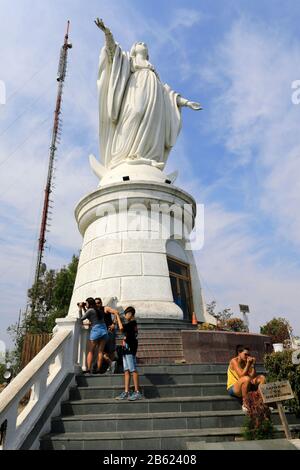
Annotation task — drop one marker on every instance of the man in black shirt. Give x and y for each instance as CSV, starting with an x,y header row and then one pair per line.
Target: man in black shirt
x,y
129,349
110,346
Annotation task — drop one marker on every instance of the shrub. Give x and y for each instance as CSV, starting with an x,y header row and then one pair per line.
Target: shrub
x,y
233,324
279,366
206,326
278,329
258,424
225,322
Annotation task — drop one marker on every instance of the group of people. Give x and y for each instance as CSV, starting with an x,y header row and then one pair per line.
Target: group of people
x,y
104,322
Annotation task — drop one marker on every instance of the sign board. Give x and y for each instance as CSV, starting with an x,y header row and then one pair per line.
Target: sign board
x,y
244,308
296,357
276,391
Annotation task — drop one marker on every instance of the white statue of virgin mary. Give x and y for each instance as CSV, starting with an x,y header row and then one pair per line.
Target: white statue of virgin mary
x,y
140,117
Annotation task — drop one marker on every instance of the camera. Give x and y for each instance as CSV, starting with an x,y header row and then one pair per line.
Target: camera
x,y
81,304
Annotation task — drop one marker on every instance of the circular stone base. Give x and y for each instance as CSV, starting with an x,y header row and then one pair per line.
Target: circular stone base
x,y
133,171
124,252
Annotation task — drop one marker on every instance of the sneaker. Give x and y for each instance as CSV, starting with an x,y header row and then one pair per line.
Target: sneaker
x,y
123,396
135,396
111,369
245,409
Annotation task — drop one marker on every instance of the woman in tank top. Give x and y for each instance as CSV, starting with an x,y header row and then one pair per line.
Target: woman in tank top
x,y
98,333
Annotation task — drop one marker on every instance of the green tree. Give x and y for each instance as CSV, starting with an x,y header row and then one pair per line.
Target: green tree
x,y
49,299
278,329
62,293
223,315
224,318
279,366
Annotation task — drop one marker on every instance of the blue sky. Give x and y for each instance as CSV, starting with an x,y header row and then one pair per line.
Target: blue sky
x,y
240,156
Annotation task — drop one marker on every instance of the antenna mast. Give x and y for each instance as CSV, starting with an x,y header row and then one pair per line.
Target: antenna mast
x,y
55,139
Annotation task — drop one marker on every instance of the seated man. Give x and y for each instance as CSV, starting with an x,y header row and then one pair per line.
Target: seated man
x,y
241,375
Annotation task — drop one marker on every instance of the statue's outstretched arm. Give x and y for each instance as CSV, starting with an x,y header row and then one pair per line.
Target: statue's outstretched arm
x,y
109,39
189,104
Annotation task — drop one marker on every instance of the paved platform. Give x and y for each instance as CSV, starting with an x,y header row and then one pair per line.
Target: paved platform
x,y
268,444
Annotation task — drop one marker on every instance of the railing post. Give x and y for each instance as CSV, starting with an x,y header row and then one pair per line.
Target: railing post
x,y
10,432
84,333
70,354
60,353
40,386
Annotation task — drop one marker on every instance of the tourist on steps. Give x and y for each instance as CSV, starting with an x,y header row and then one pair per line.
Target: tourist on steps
x,y
98,333
241,375
110,346
129,350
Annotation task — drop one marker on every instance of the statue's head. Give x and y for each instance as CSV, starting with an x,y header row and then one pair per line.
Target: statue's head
x,y
139,48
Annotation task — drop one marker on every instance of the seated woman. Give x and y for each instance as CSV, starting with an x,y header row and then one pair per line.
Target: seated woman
x,y
241,375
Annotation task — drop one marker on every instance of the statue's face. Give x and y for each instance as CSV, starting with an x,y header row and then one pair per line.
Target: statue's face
x,y
142,49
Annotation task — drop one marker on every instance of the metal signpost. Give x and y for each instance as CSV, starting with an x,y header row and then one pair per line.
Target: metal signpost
x,y
244,309
278,392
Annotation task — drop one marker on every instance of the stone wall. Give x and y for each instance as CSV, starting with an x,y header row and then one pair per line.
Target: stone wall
x,y
219,346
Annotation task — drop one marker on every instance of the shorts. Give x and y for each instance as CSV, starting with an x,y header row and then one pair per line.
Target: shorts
x,y
110,346
231,392
99,332
129,363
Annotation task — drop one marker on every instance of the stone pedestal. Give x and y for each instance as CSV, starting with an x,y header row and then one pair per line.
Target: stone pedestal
x,y
219,347
128,227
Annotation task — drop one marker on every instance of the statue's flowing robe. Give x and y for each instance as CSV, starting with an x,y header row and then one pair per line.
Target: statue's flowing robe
x,y
139,116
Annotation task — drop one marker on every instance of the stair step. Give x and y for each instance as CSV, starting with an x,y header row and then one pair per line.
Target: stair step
x,y
151,391
134,440
157,360
152,379
168,368
155,405
173,353
160,355
160,334
157,342
160,347
140,440
154,421
151,327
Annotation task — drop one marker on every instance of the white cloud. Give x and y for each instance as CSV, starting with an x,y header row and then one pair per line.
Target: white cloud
x,y
233,270
251,72
255,118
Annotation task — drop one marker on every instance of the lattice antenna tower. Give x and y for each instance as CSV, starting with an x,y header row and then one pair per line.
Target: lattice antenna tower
x,y
55,140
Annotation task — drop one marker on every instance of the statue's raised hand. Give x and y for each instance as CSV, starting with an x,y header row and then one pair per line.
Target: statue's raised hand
x,y
109,39
193,105
99,22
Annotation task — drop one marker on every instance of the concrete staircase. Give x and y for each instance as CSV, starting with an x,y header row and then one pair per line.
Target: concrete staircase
x,y
163,324
160,341
160,347
182,404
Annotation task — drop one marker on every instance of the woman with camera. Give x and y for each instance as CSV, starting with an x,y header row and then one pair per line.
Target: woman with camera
x,y
98,333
